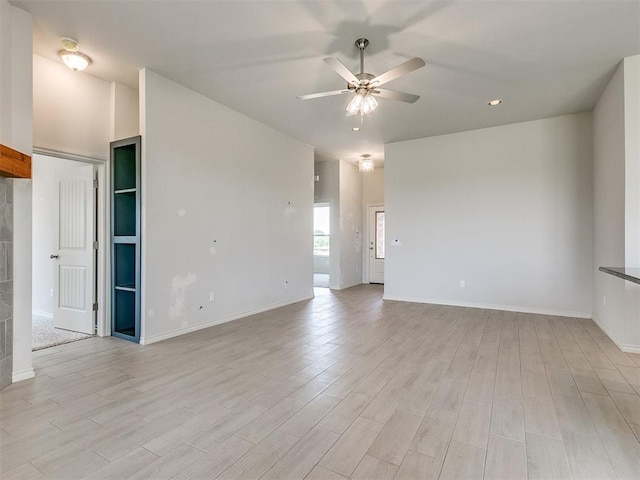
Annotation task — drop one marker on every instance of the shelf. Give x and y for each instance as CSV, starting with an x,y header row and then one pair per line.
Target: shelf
x,y
125,190
125,288
126,239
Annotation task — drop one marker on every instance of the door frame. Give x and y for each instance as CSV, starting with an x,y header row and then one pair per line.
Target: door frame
x,y
367,240
102,262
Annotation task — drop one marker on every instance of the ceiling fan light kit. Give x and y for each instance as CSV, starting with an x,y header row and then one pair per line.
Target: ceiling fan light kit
x,y
365,86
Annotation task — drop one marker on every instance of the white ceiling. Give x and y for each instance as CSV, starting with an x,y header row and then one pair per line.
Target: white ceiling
x,y
542,58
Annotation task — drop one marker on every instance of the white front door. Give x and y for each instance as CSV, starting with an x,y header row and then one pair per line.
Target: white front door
x,y
376,244
75,226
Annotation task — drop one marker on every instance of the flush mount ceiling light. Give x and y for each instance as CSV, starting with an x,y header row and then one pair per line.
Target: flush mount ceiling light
x,y
495,102
355,129
71,56
365,164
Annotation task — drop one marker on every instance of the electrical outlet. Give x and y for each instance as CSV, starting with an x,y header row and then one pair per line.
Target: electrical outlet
x,y
212,297
51,293
463,284
604,300
286,284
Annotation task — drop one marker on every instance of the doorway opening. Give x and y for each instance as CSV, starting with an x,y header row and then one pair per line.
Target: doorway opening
x,y
64,251
321,245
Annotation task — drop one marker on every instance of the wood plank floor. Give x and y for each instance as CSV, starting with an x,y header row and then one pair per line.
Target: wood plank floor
x,y
343,386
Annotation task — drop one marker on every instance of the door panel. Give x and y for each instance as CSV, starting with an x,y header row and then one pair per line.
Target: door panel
x,y
75,224
376,244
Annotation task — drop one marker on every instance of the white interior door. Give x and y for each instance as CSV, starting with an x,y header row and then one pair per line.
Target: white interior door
x,y
75,225
376,245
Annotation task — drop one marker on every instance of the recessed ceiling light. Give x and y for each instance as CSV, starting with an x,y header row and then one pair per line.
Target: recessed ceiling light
x,y
356,129
493,103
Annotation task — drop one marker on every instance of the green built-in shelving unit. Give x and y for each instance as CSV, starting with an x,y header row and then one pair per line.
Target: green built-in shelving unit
x,y
125,239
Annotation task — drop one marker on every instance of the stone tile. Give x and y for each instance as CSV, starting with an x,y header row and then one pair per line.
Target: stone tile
x,y
6,368
3,262
6,299
3,334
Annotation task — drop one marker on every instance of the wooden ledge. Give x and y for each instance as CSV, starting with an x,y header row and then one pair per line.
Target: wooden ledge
x,y
14,164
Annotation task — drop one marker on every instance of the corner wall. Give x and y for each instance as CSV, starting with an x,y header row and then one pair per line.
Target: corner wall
x,y
327,190
506,210
16,131
350,225
340,185
616,180
6,281
227,207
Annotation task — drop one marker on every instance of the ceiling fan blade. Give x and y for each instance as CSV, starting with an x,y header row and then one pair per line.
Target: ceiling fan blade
x,y
322,94
341,70
403,97
402,69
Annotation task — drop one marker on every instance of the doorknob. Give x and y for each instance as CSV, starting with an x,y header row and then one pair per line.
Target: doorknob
x,y
54,256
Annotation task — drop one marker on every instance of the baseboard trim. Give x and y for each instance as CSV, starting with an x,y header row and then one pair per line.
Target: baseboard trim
x,y
40,313
200,326
23,375
625,347
491,306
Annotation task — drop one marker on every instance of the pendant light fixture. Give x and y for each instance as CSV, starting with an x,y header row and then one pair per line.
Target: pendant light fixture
x,y
71,56
365,164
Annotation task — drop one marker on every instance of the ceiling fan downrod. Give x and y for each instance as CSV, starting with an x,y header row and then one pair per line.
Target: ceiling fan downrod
x,y
362,43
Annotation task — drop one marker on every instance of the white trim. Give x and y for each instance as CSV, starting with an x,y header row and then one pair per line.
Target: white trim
x,y
103,260
366,260
200,326
102,234
50,152
40,313
23,375
622,346
490,306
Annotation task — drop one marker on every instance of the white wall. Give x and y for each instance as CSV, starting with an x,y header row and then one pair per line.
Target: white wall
x,y
44,241
372,195
506,209
16,113
373,187
71,110
22,234
616,142
16,132
227,206
125,112
350,225
632,161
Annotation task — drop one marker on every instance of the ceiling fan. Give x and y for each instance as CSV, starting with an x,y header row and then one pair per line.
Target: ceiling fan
x,y
366,86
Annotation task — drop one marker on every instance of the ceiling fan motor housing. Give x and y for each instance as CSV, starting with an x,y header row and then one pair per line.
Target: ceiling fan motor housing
x,y
364,79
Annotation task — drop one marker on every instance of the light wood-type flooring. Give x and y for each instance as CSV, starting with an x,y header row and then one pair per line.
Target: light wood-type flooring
x,y
343,386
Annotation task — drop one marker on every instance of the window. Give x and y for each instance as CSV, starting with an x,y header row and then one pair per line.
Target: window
x,y
321,231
